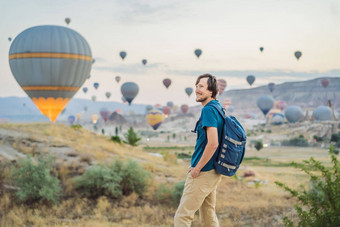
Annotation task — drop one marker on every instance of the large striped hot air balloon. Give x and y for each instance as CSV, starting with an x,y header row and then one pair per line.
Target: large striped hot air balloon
x,y
50,63
155,118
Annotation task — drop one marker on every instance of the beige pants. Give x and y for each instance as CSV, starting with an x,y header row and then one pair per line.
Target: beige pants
x,y
199,193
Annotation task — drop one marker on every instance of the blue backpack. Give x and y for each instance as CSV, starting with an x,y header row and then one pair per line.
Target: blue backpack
x,y
233,144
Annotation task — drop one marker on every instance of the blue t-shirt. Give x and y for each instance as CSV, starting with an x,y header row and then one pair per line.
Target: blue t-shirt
x,y
209,118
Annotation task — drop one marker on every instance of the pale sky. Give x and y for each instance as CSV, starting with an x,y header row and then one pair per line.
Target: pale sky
x,y
166,33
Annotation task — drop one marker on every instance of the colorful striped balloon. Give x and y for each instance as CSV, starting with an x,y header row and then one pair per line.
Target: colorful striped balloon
x,y
155,118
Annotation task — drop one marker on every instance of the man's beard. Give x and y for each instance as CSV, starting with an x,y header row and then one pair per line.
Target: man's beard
x,y
201,99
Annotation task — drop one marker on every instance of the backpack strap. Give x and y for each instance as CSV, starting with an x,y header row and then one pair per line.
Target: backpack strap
x,y
219,110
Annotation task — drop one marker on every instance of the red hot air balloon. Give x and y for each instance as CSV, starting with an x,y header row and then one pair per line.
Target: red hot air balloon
x,y
167,82
184,108
324,82
105,113
166,110
222,84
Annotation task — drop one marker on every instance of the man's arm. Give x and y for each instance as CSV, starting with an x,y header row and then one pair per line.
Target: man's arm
x,y
208,152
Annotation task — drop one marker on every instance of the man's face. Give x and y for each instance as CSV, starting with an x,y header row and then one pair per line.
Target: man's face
x,y
202,92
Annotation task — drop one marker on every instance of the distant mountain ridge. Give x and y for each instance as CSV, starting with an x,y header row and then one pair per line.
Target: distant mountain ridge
x,y
306,94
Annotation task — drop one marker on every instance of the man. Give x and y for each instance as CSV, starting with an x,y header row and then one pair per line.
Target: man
x,y
202,180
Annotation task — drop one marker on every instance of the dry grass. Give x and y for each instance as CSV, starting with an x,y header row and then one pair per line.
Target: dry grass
x,y
238,203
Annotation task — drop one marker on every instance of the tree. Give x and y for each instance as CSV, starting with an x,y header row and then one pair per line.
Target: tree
x,y
318,205
131,137
258,145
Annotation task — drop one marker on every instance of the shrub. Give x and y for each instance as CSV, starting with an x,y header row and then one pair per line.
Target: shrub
x,y
177,192
333,150
36,183
77,127
335,137
99,180
116,139
113,180
170,158
131,137
319,139
297,141
183,155
320,204
163,194
258,145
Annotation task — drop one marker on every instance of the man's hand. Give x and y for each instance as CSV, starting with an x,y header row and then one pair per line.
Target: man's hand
x,y
194,172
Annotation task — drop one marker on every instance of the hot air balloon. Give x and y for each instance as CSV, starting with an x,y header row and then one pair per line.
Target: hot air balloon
x,y
85,89
71,119
280,105
175,108
293,113
184,108
324,82
261,49
222,84
148,108
170,104
94,98
322,113
144,61
227,102
250,79
50,63
9,39
67,20
167,82
108,95
271,87
104,113
122,54
198,52
298,54
188,90
158,107
96,85
155,118
129,91
117,78
94,118
166,110
265,103
277,119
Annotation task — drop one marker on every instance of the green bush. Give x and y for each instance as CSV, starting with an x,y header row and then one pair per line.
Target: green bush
x,y
258,145
335,137
297,141
163,194
116,139
318,205
36,183
177,192
76,126
183,155
131,137
113,180
319,139
99,180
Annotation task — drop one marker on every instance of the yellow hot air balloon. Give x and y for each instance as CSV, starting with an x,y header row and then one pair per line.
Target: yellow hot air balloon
x,y
50,63
155,118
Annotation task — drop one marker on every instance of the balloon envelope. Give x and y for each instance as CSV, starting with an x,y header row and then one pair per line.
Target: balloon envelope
x,y
265,103
85,89
50,63
122,54
167,82
166,110
293,113
71,119
148,108
93,98
250,79
144,61
67,20
129,91
155,118
9,39
108,95
96,85
271,87
324,82
188,90
184,108
105,113
94,118
261,49
222,84
322,113
117,78
298,54
170,104
198,52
